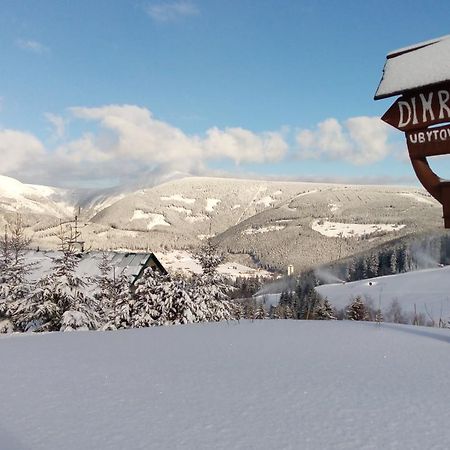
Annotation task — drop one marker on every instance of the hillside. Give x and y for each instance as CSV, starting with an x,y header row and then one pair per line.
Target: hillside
x,y
276,223
312,385
422,291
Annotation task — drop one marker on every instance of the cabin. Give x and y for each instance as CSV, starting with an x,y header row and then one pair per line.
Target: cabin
x,y
130,264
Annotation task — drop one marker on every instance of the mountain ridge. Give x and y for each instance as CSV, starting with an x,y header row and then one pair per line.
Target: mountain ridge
x,y
275,222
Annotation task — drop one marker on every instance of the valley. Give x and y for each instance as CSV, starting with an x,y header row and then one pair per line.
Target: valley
x,y
271,224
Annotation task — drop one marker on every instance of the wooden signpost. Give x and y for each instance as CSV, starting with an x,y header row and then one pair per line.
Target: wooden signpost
x,y
423,113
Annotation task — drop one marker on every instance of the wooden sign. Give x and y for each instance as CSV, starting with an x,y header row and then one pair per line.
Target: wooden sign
x,y
418,113
422,74
420,109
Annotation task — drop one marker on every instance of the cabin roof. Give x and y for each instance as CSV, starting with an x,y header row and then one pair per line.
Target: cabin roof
x,y
419,65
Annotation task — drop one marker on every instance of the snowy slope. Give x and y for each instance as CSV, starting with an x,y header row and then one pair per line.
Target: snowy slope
x,y
427,289
181,261
33,199
312,385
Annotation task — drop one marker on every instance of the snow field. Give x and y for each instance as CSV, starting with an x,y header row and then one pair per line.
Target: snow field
x,y
154,219
426,290
419,198
211,203
183,261
262,385
178,198
266,201
267,229
336,229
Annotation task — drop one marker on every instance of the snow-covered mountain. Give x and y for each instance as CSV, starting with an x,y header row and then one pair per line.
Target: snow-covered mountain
x,y
17,197
273,223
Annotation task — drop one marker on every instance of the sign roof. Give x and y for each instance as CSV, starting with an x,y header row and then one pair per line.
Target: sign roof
x,y
423,64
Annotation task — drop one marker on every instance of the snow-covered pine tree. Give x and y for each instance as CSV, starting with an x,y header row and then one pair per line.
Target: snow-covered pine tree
x,y
113,295
379,316
162,300
148,306
59,301
372,265
288,313
357,309
276,312
324,311
249,308
5,265
15,287
183,308
238,310
394,313
210,288
260,312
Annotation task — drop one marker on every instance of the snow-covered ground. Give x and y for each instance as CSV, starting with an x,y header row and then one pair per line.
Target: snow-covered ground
x,y
267,229
154,219
184,262
427,290
335,229
178,198
262,385
211,203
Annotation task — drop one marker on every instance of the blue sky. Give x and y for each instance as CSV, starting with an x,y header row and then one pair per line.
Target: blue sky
x,y
95,93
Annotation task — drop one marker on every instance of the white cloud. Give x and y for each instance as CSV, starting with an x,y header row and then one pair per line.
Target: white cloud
x,y
19,150
359,140
244,146
171,11
32,46
59,125
128,141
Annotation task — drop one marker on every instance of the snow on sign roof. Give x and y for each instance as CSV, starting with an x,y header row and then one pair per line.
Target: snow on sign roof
x,y
414,67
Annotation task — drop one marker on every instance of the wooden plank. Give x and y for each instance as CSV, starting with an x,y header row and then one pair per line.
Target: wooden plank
x,y
429,142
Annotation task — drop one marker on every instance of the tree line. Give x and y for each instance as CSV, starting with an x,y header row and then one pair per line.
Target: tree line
x,y
61,300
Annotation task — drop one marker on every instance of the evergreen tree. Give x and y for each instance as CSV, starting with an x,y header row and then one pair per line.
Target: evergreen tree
x,y
238,310
249,308
394,313
357,309
372,266
149,301
324,311
379,316
59,301
393,262
260,312
160,300
14,271
277,312
210,288
288,313
122,307
5,282
113,295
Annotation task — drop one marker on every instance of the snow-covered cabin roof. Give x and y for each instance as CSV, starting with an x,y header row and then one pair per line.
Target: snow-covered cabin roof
x,y
419,65
130,264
